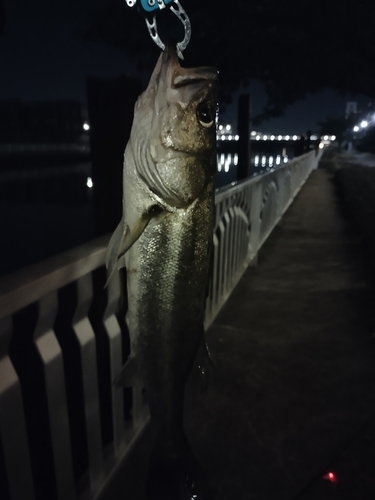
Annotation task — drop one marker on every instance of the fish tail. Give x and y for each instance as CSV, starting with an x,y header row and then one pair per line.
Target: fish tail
x,y
176,477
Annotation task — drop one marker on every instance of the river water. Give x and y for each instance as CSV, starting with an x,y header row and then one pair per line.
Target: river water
x,y
45,211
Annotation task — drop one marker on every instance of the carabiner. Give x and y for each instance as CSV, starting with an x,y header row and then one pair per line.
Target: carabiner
x,y
149,7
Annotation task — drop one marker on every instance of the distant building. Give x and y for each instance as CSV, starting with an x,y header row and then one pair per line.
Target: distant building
x,y
44,122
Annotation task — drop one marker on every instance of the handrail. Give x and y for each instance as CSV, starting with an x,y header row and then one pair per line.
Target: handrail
x,y
246,213
238,185
29,285
64,426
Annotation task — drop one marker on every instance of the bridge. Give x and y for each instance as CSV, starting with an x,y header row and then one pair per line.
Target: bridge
x,y
285,327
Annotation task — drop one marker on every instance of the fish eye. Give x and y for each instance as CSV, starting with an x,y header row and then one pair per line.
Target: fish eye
x,y
205,114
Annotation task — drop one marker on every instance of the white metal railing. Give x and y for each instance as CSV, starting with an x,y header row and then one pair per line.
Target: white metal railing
x,y
245,216
64,427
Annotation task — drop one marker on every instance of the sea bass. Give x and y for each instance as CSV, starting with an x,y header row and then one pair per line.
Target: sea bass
x,y
165,235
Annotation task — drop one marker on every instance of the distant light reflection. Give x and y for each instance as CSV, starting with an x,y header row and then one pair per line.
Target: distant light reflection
x,y
227,163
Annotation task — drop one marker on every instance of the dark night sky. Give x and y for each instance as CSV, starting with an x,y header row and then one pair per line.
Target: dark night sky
x,y
44,56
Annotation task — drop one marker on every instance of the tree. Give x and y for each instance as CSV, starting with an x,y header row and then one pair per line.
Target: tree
x,y
292,48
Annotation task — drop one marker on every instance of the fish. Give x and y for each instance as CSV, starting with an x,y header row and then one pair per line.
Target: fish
x,y
164,240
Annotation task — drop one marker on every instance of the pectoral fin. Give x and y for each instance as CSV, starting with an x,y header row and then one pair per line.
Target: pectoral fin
x,y
122,239
125,236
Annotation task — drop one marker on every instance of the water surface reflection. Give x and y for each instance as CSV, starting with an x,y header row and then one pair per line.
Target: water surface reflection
x,y
227,164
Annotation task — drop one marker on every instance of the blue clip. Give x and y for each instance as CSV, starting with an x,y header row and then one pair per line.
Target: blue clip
x,y
150,7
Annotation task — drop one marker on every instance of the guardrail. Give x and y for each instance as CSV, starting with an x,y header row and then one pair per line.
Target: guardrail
x,y
245,216
64,428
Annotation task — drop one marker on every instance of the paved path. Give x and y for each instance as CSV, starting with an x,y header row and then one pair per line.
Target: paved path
x,y
294,391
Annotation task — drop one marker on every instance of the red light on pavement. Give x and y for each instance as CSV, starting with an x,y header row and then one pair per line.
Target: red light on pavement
x,y
330,476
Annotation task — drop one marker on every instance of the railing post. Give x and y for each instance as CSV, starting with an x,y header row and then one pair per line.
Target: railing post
x,y
12,423
51,356
281,193
113,331
87,343
256,201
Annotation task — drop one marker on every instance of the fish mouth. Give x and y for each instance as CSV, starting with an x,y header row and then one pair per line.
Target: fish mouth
x,y
168,73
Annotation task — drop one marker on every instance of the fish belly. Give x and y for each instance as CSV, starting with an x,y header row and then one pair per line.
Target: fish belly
x,y
167,283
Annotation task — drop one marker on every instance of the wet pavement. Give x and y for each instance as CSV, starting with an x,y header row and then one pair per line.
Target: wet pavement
x,y
293,397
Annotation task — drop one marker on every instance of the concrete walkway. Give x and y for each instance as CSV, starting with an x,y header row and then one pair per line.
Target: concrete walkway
x,y
294,391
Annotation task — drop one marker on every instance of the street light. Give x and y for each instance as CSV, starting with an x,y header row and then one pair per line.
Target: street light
x,y
356,128
364,124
